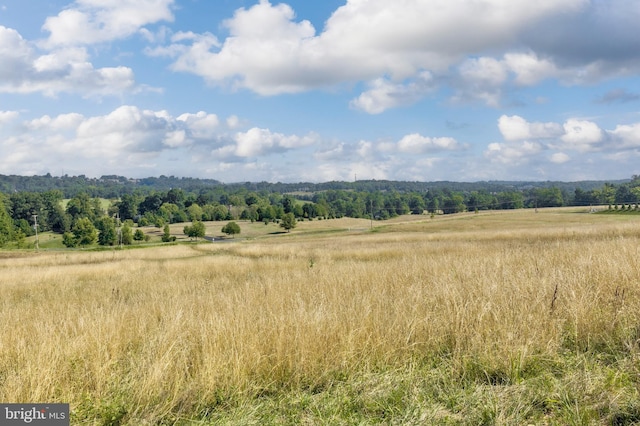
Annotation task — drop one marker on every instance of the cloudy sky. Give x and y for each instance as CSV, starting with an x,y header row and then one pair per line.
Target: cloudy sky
x,y
240,90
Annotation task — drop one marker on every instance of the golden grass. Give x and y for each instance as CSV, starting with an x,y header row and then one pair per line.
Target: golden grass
x,y
166,332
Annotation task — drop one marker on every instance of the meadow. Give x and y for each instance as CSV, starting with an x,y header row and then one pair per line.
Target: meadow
x,y
510,317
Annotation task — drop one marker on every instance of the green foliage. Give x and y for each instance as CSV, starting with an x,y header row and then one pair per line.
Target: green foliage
x,y
196,230
166,235
6,224
107,235
69,240
84,232
20,239
288,222
126,234
194,212
231,228
138,235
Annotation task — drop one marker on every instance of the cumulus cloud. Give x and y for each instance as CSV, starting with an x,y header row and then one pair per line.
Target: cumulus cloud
x,y
418,144
8,116
201,124
513,153
269,52
258,141
626,136
384,94
517,128
393,46
582,135
560,158
125,131
23,70
574,134
96,21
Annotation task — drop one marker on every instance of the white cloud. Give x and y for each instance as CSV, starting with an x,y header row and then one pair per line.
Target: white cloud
x,y
513,153
529,69
233,122
258,141
560,158
582,135
418,144
97,21
627,136
269,52
8,116
515,128
574,134
332,153
23,71
201,124
60,123
384,94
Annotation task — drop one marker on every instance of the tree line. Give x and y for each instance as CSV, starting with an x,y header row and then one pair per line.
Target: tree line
x,y
85,217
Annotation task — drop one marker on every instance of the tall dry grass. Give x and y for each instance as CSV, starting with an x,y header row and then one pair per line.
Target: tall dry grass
x,y
168,333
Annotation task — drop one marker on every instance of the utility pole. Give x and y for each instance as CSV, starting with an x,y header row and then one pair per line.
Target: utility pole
x,y
35,227
371,227
119,230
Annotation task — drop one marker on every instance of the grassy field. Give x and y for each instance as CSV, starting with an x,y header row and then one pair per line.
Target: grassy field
x,y
490,318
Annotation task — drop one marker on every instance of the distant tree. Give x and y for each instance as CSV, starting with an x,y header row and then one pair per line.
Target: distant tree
x,y
166,235
6,224
69,240
196,230
453,204
416,204
231,228
151,204
128,206
288,222
107,235
126,234
20,239
175,196
84,232
138,235
81,206
548,197
59,220
194,212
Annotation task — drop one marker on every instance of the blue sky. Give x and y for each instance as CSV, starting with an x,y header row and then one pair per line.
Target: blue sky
x,y
239,90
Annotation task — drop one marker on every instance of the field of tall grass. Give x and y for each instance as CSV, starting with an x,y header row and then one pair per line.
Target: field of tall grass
x,y
491,318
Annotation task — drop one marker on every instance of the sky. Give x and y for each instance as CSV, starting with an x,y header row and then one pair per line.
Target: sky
x,y
317,91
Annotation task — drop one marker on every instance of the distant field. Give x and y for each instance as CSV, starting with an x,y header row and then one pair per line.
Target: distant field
x,y
104,203
511,317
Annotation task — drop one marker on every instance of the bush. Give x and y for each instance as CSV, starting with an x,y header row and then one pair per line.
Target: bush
x,y
232,228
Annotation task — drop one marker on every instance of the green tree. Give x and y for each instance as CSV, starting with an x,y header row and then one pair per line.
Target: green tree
x,y
288,222
6,224
126,234
84,232
107,235
547,197
69,240
454,203
196,230
231,228
128,206
194,212
80,206
166,235
138,235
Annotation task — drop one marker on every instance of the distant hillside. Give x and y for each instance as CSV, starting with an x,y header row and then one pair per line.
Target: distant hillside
x,y
115,186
